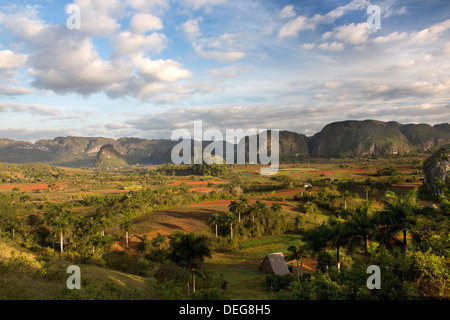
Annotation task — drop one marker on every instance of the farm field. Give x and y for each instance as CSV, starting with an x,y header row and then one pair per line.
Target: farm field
x,y
122,227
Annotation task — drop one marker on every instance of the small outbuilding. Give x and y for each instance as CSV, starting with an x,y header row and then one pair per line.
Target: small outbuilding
x,y
276,264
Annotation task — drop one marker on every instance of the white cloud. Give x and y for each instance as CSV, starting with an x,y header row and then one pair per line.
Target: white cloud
x,y
11,60
288,12
308,46
431,34
161,70
142,23
333,85
130,44
33,109
301,23
100,17
354,34
331,46
191,28
222,48
293,27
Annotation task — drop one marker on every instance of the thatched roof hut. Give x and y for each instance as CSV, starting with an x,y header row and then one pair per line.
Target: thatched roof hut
x,y
275,263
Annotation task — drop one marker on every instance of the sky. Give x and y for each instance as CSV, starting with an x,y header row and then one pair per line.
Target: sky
x,y
144,68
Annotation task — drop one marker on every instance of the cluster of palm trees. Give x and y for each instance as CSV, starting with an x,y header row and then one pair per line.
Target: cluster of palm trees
x,y
242,210
363,225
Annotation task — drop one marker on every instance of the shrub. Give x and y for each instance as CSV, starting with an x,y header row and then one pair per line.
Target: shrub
x,y
275,282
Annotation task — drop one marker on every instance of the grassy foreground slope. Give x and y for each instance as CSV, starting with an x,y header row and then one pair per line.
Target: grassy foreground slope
x,y
27,276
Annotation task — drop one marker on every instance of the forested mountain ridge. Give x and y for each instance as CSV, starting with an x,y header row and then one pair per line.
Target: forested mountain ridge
x,y
339,139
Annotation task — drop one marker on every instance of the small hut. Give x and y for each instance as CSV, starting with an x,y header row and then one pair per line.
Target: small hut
x,y
274,263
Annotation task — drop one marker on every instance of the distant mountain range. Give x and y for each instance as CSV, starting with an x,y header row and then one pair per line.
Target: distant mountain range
x,y
339,139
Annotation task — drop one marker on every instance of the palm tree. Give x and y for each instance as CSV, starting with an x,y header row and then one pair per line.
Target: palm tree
x,y
276,208
347,195
189,252
252,210
361,227
399,214
214,220
126,227
59,226
367,189
230,220
318,239
338,237
297,252
159,240
241,207
102,221
13,225
233,207
176,237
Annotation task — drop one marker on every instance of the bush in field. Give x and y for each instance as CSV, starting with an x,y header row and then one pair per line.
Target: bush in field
x,y
275,282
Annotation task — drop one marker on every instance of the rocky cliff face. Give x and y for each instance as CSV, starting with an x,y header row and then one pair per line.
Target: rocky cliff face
x,y
340,139
437,170
109,158
350,138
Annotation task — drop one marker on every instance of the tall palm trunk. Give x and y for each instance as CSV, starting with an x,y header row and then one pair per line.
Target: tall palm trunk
x,y
217,235
62,242
338,259
126,235
193,281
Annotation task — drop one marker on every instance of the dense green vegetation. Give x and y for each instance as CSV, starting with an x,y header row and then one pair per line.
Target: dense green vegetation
x,y
130,231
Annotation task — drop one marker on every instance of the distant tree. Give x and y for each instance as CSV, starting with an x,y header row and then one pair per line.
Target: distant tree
x,y
399,214
276,208
367,189
361,227
230,220
297,252
126,227
317,240
311,208
176,237
346,195
338,237
60,226
189,252
214,220
12,225
159,241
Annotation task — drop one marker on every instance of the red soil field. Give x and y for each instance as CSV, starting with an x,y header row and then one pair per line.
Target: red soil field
x,y
408,185
197,183
29,187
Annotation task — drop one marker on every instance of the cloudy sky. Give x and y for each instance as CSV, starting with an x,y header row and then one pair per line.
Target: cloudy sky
x,y
144,68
